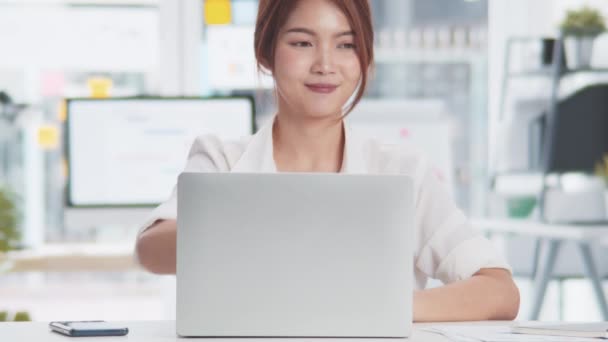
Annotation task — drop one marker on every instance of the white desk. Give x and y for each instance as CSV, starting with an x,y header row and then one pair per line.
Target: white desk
x,y
554,235
164,331
72,257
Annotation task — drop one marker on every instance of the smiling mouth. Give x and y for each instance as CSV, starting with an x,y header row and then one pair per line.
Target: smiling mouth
x,y
322,88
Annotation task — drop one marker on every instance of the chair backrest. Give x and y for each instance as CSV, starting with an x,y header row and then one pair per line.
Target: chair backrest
x,y
580,138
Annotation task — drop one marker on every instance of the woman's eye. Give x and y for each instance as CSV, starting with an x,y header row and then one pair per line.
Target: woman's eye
x,y
300,44
347,46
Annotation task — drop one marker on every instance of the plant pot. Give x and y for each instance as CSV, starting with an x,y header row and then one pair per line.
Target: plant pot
x,y
521,206
583,51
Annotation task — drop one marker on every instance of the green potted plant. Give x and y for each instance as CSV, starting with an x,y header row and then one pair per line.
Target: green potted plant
x,y
22,316
601,169
9,235
583,25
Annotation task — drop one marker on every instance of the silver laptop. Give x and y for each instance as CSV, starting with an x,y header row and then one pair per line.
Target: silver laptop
x,y
294,255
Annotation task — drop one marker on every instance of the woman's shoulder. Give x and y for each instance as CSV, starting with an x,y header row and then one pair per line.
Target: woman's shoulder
x,y
222,154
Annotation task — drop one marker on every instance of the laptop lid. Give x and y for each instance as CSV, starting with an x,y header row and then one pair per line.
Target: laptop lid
x,y
294,255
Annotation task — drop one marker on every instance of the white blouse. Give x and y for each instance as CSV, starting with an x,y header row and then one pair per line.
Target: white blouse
x,y
446,246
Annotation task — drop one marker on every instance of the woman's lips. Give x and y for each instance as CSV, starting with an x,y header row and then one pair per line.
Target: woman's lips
x,y
322,88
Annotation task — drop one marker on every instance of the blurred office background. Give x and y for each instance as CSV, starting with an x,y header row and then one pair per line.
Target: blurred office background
x,y
468,81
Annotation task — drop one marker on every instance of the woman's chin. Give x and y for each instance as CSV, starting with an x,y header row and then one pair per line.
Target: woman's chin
x,y
323,113
323,110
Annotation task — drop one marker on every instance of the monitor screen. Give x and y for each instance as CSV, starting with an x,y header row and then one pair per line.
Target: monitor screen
x,y
423,124
129,152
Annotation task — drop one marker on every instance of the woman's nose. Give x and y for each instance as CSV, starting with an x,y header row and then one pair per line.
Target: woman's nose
x,y
324,62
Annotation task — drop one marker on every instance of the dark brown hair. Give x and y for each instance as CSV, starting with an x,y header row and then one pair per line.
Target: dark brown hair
x,y
272,15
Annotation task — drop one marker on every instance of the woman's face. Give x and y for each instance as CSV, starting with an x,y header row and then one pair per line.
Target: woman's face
x,y
316,68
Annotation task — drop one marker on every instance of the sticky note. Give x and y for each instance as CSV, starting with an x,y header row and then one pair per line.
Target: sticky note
x,y
64,168
48,137
217,12
52,83
62,111
99,87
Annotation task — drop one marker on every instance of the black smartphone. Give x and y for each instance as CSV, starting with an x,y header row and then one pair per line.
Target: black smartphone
x,y
88,328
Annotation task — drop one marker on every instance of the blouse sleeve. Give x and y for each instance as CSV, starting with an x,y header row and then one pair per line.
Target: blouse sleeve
x,y
449,248
206,155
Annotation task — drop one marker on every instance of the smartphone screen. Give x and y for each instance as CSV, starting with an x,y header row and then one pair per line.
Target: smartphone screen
x,y
89,328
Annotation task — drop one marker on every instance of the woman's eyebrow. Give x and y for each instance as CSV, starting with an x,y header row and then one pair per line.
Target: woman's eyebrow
x,y
313,33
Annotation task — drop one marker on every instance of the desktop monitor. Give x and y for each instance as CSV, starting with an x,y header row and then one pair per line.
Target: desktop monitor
x,y
421,123
126,153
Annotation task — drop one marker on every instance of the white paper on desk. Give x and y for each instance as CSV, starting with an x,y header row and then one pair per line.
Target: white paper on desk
x,y
495,333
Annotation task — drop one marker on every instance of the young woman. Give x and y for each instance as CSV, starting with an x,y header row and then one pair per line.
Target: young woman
x,y
319,53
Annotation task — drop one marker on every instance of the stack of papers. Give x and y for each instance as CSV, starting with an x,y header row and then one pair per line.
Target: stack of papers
x,y
599,329
495,333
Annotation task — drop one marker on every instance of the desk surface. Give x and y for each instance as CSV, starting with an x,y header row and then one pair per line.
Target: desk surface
x,y
71,257
164,331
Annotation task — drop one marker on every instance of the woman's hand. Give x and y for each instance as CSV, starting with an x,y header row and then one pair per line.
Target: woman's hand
x,y
490,294
156,247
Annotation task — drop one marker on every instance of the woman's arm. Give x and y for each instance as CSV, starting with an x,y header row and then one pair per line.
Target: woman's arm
x,y
156,247
490,294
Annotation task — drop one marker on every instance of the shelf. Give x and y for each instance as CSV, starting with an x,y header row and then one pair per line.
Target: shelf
x,y
548,72
530,73
590,70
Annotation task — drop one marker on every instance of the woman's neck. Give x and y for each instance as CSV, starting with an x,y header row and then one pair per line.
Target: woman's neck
x,y
308,144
